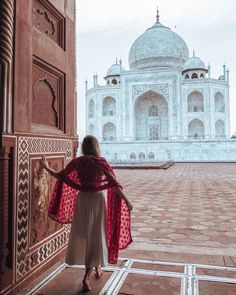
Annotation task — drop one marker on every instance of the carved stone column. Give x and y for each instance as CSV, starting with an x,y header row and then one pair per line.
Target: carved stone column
x,y
6,78
6,56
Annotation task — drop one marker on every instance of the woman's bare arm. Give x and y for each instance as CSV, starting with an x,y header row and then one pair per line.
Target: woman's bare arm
x,y
46,166
120,192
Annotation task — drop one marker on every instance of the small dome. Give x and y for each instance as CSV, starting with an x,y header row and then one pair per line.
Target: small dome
x,y
158,46
194,63
115,70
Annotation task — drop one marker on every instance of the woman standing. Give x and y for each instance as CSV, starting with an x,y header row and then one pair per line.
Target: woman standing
x,y
100,223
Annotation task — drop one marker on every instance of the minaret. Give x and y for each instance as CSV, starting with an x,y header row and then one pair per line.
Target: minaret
x,y
120,62
94,80
86,85
224,71
227,75
209,71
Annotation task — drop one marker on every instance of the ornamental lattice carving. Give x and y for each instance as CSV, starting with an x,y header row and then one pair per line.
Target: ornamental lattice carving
x,y
26,258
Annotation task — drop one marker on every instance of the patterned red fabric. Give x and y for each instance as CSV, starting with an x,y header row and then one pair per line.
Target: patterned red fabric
x,y
92,174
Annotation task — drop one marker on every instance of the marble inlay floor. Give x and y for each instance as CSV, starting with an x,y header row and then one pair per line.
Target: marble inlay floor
x,y
141,277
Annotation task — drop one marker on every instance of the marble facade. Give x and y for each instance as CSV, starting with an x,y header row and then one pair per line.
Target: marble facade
x,y
166,104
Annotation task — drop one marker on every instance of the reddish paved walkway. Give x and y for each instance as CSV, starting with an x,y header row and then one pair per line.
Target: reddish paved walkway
x,y
188,208
184,214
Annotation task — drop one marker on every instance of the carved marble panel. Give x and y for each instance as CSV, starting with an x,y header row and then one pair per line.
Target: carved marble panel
x,y
41,226
48,20
47,95
29,257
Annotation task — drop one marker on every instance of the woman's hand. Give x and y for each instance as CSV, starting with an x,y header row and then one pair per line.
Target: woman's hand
x,y
46,166
44,162
120,192
129,206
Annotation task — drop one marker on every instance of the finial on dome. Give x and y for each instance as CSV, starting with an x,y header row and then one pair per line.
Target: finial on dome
x,y
120,61
116,61
193,53
158,16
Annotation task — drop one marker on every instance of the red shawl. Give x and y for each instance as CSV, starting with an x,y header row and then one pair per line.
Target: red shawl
x,y
92,174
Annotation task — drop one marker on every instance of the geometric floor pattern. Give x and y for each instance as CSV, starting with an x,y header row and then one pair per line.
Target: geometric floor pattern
x,y
190,208
184,236
140,277
188,278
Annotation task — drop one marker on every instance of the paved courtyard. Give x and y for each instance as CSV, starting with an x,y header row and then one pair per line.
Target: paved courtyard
x,y
184,232
188,208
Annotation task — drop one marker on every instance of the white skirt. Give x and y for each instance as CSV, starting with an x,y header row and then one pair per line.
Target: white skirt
x,y
88,242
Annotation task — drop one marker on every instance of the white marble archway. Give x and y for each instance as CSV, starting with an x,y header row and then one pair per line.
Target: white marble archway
x,y
195,102
91,129
109,106
109,132
219,129
219,102
91,108
196,129
150,125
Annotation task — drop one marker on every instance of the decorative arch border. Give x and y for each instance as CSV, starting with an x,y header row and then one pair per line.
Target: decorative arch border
x,y
150,90
189,91
108,122
220,119
162,89
196,118
108,96
219,91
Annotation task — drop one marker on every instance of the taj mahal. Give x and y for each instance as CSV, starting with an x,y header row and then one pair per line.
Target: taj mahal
x,y
167,106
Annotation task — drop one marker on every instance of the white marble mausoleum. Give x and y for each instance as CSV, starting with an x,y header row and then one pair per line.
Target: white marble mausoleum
x,y
166,106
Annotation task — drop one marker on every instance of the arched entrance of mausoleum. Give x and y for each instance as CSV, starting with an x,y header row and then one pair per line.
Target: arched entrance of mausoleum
x,y
151,118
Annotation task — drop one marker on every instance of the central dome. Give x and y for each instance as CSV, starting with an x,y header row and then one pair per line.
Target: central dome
x,y
158,46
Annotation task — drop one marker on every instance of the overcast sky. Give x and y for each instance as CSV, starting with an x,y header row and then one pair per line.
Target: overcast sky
x,y
106,30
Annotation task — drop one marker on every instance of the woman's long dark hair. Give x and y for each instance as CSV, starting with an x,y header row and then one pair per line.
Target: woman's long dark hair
x,y
90,146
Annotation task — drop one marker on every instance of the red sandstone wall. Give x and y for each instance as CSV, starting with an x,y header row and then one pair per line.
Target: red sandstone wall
x,y
38,117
